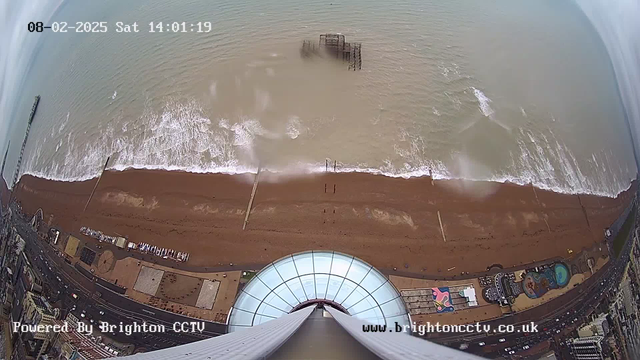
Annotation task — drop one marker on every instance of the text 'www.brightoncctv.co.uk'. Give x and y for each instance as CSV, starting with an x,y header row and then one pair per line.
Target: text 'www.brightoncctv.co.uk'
x,y
428,327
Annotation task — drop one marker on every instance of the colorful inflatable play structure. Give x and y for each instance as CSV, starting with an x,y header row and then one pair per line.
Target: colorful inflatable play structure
x,y
442,299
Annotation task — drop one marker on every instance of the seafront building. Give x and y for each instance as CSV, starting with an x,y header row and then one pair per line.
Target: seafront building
x,y
588,348
37,312
315,305
598,327
73,345
334,286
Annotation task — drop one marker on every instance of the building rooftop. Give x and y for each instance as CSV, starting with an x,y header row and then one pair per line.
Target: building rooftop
x,y
86,346
587,340
342,281
41,304
470,294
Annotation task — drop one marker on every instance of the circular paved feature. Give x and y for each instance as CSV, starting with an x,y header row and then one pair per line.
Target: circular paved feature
x,y
562,274
106,261
180,288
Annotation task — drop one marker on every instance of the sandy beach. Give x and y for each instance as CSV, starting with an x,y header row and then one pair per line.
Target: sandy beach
x,y
388,222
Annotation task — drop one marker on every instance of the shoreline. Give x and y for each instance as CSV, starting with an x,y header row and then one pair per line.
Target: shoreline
x,y
388,222
318,169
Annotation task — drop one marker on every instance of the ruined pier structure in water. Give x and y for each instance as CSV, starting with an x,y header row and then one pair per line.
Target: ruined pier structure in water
x,y
24,143
334,45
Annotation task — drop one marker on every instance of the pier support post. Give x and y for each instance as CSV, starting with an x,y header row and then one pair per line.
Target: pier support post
x,y
24,143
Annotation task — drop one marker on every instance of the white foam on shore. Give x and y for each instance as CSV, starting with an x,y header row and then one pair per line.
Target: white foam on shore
x,y
319,168
436,170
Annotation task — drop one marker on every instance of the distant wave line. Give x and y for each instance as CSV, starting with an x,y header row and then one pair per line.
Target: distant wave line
x,y
318,168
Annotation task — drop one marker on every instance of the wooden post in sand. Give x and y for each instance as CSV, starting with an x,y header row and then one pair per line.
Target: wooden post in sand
x,y
584,211
441,227
253,194
96,186
544,215
535,194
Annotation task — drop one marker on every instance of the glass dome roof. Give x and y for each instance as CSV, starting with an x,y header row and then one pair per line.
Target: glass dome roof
x,y
344,281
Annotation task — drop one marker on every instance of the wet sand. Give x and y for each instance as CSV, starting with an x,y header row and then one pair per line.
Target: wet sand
x,y
387,222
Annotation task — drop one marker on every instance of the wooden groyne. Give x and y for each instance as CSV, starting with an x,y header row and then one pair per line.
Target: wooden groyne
x,y
96,185
253,195
24,143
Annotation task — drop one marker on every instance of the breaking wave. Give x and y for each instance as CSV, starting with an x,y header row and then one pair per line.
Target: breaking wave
x,y
293,127
483,102
180,137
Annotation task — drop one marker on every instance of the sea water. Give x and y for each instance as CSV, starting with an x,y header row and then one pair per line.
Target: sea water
x,y
524,91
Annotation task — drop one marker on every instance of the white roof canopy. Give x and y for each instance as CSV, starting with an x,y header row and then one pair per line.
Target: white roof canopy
x,y
338,279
